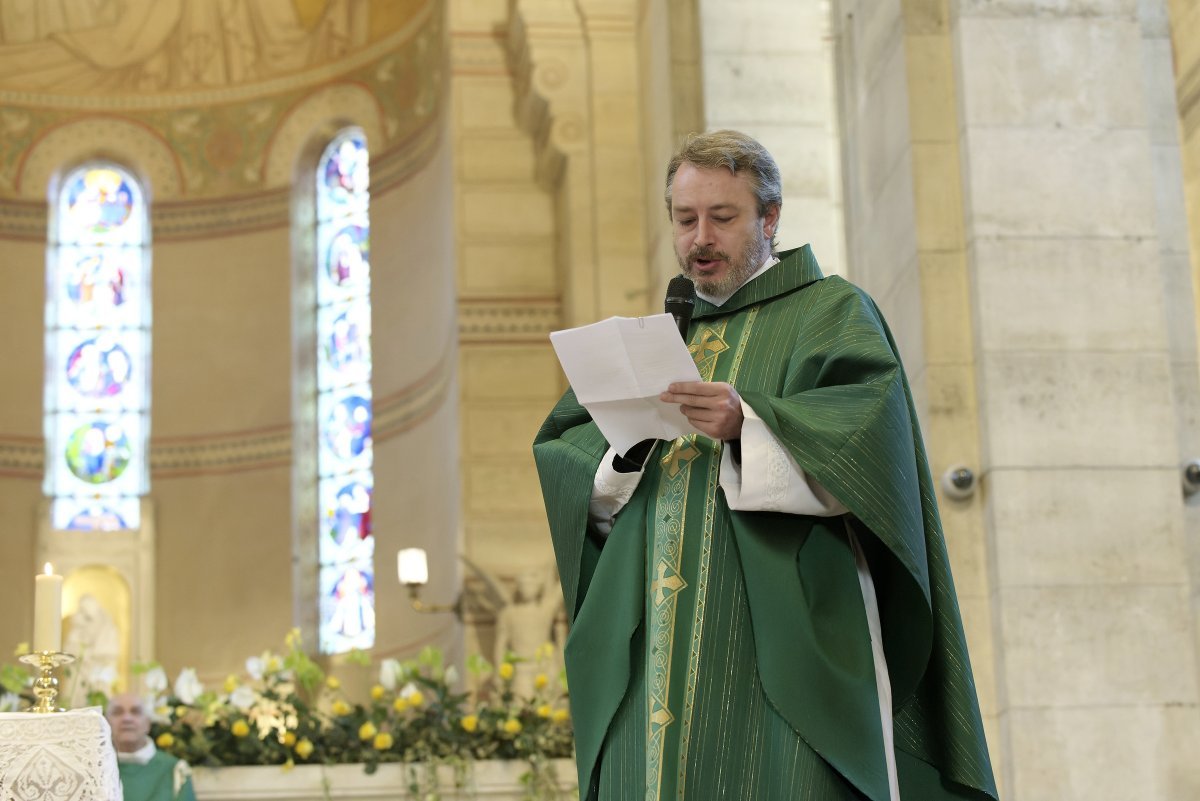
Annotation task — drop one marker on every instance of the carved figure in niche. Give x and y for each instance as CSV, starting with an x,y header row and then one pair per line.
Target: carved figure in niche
x,y
526,619
95,640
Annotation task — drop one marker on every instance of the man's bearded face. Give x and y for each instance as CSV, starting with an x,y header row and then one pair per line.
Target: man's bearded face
x,y
719,238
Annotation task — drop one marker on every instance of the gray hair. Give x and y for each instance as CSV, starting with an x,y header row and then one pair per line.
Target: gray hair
x,y
737,153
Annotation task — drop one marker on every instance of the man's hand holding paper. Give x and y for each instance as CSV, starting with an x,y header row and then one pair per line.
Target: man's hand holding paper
x,y
619,367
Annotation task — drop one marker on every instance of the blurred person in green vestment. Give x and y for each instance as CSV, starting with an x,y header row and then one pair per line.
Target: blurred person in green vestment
x,y
147,774
764,611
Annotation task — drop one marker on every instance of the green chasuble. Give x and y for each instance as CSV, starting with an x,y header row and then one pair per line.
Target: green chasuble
x,y
155,780
718,654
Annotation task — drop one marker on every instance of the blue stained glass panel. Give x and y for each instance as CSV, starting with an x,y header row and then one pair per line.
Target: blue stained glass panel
x,y
348,259
98,452
344,408
346,174
97,351
99,367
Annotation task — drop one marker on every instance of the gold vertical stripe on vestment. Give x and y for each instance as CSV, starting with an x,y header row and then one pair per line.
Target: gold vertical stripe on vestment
x,y
714,472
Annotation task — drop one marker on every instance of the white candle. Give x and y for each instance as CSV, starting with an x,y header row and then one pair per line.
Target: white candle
x,y
412,566
47,611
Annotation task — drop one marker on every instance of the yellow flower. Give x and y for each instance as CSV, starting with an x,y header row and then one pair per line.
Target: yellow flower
x,y
366,731
340,707
399,705
512,726
292,639
22,649
505,670
383,741
541,680
544,711
333,682
240,728
377,692
544,651
231,683
561,716
165,740
415,698
289,739
288,765
304,748
470,723
273,665
180,711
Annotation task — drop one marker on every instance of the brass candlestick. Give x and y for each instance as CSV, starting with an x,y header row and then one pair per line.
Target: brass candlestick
x,y
45,687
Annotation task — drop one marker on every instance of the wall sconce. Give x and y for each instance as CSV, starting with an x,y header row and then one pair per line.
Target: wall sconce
x,y
413,570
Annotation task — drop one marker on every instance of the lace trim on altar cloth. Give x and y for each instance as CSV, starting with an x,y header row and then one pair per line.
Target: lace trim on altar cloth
x,y
66,756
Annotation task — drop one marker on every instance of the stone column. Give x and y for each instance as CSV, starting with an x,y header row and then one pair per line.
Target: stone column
x,y
768,70
1068,247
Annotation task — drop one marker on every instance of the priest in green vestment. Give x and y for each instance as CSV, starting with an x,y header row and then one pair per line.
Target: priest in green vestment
x,y
762,611
147,774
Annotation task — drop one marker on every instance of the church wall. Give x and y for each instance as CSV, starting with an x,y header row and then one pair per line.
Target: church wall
x,y
509,298
905,228
1182,51
1066,236
768,70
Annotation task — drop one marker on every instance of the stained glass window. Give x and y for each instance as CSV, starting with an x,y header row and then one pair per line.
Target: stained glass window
x,y
97,351
344,455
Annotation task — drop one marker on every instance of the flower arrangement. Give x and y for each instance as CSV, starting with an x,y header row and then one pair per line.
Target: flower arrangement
x,y
285,710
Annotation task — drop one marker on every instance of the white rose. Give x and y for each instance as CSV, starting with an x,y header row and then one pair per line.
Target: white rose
x,y
451,676
256,666
155,680
188,686
408,690
389,673
10,702
243,698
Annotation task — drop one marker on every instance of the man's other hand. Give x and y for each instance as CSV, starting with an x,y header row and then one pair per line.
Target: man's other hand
x,y
714,407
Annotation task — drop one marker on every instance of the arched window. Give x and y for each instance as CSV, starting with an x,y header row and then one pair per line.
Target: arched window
x,y
97,350
344,459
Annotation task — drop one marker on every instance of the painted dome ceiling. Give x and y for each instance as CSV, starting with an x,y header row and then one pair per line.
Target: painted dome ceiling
x,y
174,47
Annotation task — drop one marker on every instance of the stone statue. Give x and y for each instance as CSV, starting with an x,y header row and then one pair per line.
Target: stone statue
x,y
526,619
95,640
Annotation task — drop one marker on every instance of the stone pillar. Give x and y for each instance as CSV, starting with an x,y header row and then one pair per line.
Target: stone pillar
x,y
1068,249
768,71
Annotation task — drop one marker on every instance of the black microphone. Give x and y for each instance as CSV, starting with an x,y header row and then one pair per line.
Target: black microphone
x,y
680,301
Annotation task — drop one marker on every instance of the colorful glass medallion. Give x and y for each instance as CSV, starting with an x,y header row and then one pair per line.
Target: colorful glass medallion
x,y
352,602
96,281
98,452
349,519
348,261
347,173
99,201
98,367
348,345
347,428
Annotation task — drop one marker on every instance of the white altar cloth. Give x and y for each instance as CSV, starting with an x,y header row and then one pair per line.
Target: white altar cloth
x,y
63,756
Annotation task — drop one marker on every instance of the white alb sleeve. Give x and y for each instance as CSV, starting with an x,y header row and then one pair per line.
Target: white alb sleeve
x,y
769,479
610,492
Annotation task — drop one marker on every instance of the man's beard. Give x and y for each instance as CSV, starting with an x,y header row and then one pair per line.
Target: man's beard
x,y
740,269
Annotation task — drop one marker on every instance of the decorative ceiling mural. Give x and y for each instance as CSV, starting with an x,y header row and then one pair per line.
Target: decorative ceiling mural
x,y
213,80
78,47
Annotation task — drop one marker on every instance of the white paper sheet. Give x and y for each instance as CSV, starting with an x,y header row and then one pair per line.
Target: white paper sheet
x,y
619,366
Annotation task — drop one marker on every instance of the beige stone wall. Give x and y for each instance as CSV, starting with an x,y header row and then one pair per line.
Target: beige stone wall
x,y
768,70
1071,232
